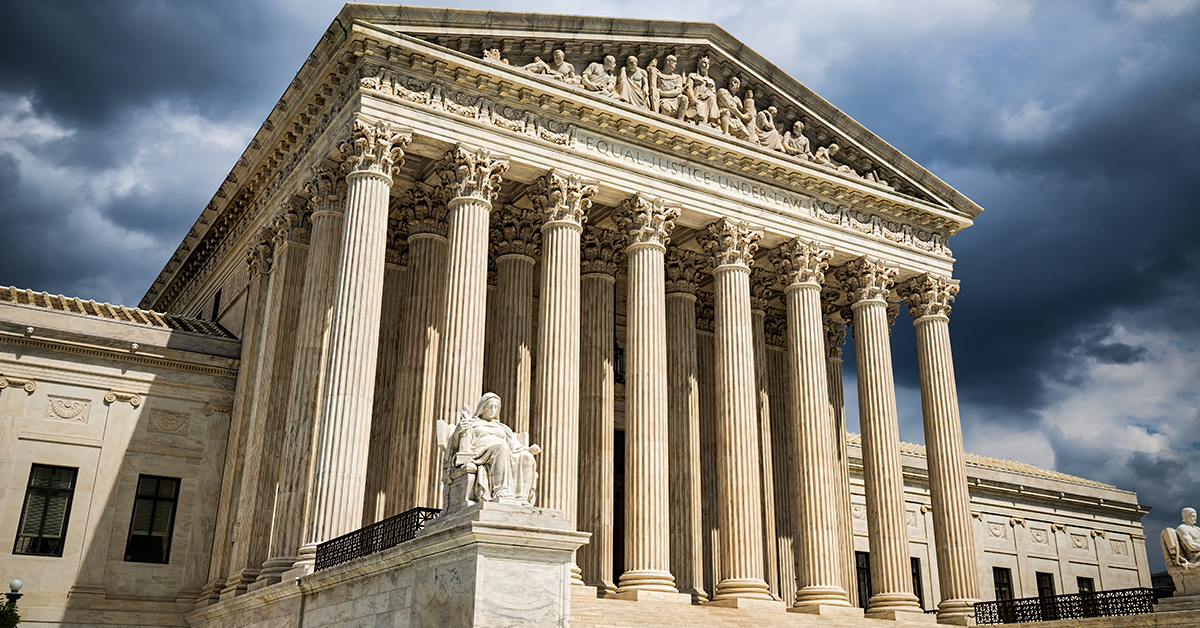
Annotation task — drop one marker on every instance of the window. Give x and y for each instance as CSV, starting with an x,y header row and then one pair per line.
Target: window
x,y
43,527
862,564
1086,585
1045,584
153,520
1002,577
916,576
216,311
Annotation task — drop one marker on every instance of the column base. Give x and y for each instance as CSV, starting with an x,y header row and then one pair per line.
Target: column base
x,y
644,595
908,616
238,583
646,580
210,593
698,595
750,588
304,565
957,612
748,602
576,575
272,572
583,590
827,610
821,596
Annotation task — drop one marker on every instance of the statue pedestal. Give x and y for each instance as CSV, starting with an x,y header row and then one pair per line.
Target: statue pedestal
x,y
494,564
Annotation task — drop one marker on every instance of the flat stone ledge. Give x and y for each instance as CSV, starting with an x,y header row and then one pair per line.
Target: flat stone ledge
x,y
742,602
911,617
638,595
827,610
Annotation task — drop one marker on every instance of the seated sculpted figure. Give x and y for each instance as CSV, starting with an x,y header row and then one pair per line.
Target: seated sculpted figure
x,y
484,459
764,125
1181,550
560,69
701,92
666,89
599,77
824,157
795,143
737,119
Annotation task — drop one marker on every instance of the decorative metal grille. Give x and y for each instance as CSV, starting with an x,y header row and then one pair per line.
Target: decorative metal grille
x,y
1074,606
374,538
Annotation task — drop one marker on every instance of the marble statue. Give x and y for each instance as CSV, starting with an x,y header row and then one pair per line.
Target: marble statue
x,y
764,126
599,77
1181,550
560,69
666,89
795,143
824,157
701,92
737,117
633,86
485,461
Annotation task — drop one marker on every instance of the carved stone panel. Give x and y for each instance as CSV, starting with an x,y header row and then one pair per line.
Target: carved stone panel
x,y
167,422
1119,548
1040,537
1079,541
67,409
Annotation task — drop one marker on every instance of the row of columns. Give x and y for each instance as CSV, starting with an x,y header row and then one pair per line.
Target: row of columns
x,y
325,408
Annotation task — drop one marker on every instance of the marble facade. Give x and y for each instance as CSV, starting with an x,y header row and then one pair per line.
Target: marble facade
x,y
654,266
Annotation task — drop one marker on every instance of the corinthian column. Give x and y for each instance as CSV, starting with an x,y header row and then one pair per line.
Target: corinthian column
x,y
563,200
474,177
929,299
374,152
760,294
801,265
516,239
325,191
835,336
867,283
646,222
732,245
413,465
600,256
683,424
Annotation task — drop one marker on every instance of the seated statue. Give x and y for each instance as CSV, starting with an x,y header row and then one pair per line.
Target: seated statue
x,y
737,118
599,77
701,92
1181,550
824,157
795,143
666,89
764,126
560,69
485,460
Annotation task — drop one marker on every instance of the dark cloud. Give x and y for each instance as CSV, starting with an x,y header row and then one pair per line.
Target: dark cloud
x,y
10,174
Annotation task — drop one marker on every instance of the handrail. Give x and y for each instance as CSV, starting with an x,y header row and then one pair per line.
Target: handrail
x,y
374,538
1071,606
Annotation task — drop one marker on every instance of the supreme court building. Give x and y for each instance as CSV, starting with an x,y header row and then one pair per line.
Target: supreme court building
x,y
648,240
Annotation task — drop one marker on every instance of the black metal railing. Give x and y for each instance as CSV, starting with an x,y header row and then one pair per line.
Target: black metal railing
x,y
374,538
1073,606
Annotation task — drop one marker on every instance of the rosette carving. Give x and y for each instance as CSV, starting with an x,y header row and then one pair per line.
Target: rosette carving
x,y
683,270
801,261
601,251
516,231
472,173
325,190
647,220
761,291
293,224
375,147
562,196
928,295
731,242
866,278
422,212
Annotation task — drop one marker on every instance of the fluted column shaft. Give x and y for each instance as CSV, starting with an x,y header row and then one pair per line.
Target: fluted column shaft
x,y
683,421
380,498
307,380
339,475
766,460
596,429
891,572
835,334
513,356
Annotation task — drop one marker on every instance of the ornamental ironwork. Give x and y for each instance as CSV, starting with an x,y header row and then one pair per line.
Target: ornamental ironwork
x,y
1073,606
374,538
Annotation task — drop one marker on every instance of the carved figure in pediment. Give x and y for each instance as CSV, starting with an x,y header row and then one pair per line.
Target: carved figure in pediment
x,y
559,69
737,119
764,126
824,157
666,89
701,92
633,86
877,177
599,77
795,143
493,55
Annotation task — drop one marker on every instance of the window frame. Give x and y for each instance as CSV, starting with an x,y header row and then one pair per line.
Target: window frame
x,y
170,536
918,587
66,518
862,567
1007,582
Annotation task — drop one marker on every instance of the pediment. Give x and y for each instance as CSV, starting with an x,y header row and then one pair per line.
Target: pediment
x,y
518,40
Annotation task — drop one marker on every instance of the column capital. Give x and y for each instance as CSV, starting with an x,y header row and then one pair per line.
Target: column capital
x,y
775,327
866,279
647,220
472,173
731,242
422,211
761,291
374,146
563,197
683,270
260,255
834,318
397,243
928,295
800,261
292,224
516,231
706,310
601,251
325,190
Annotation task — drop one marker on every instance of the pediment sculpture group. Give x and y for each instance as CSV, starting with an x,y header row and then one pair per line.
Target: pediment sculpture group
x,y
484,460
693,97
1181,550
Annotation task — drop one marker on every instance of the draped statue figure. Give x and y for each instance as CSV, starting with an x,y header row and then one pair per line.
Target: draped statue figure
x,y
485,460
1181,550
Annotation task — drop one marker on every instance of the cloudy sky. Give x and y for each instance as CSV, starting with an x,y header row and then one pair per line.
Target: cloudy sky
x,y
1076,125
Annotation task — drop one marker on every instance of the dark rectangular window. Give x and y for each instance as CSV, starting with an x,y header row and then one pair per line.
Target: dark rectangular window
x,y
216,311
916,576
862,564
153,520
1086,585
1002,577
43,526
1045,584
